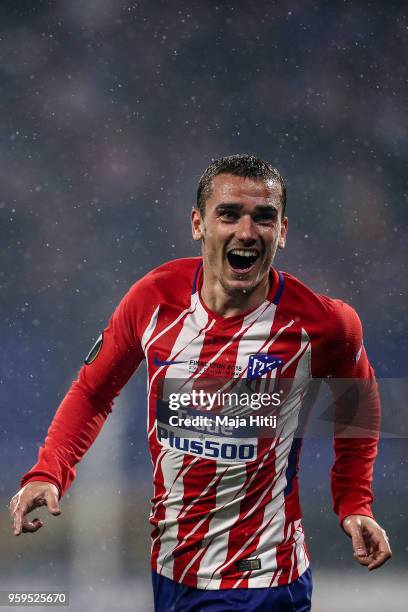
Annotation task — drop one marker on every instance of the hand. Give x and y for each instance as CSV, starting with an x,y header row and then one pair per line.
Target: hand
x,y
33,495
370,542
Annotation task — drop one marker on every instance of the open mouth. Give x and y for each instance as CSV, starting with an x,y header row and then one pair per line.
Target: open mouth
x,y
242,260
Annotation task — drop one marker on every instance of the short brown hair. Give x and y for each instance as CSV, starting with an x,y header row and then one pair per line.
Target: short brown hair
x,y
247,166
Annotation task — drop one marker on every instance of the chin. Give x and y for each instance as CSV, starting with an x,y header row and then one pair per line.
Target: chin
x,y
234,286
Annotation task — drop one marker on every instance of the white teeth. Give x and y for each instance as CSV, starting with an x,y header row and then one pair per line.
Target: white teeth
x,y
243,253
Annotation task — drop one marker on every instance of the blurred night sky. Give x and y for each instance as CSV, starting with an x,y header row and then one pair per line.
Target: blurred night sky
x,y
110,112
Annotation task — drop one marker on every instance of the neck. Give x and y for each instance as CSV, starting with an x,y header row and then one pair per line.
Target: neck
x,y
230,304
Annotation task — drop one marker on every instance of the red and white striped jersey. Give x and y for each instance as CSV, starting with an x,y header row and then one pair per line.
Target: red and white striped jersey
x,y
225,510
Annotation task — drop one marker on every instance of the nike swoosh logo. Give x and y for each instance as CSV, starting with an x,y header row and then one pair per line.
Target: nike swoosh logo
x,y
158,362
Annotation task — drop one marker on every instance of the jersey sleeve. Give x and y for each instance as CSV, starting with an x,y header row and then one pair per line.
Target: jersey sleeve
x,y
86,406
356,416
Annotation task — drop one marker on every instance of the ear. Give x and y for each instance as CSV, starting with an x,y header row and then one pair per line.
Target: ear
x,y
196,224
283,232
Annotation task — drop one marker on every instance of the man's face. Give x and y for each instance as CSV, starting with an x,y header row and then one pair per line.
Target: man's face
x,y
240,231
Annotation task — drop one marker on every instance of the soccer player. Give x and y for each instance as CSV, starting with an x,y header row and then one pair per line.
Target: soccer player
x,y
227,531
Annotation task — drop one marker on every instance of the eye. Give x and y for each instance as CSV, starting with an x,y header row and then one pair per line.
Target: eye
x,y
266,218
228,215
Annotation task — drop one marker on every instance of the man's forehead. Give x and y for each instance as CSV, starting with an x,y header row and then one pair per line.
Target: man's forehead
x,y
231,188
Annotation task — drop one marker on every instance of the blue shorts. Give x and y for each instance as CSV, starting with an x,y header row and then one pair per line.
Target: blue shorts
x,y
170,596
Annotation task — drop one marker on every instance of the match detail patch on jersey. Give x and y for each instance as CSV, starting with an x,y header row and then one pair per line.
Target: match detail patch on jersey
x,y
261,364
95,350
247,565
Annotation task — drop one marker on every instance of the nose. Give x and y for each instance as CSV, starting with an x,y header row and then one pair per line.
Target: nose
x,y
246,231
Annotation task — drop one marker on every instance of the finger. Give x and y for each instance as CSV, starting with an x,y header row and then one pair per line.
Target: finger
x,y
382,552
380,558
12,508
363,560
52,503
358,543
19,513
32,526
